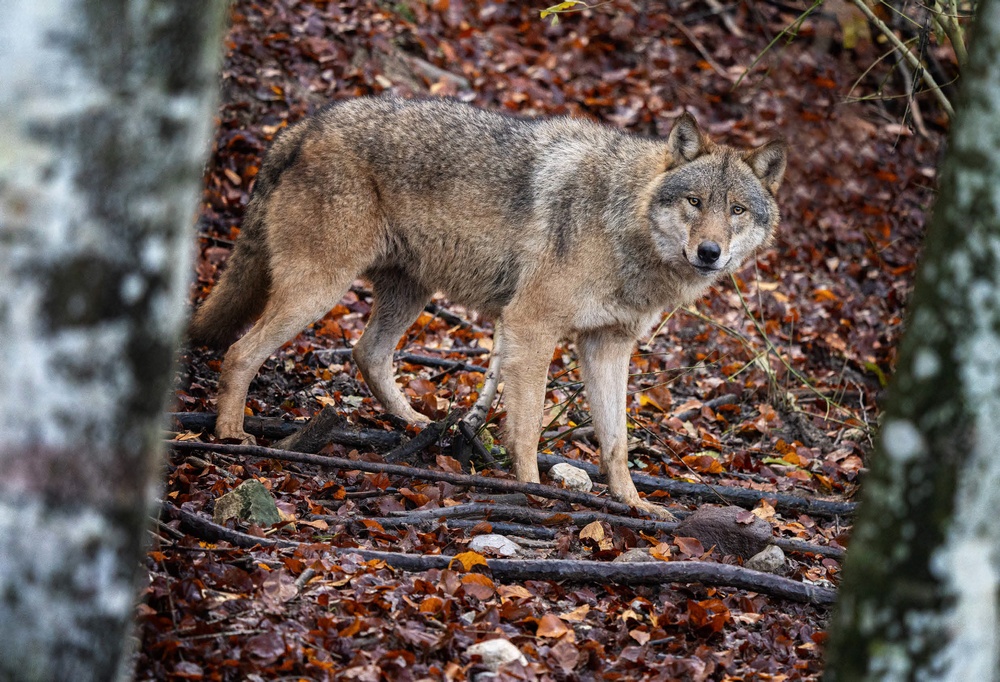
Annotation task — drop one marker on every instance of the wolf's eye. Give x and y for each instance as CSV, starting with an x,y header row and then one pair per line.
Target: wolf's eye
x,y
738,210
694,201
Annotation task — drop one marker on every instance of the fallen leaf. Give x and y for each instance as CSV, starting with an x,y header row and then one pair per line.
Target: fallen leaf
x,y
592,531
551,625
478,586
689,546
468,560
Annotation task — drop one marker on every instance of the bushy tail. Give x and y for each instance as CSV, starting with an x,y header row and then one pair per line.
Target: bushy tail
x,y
240,295
242,291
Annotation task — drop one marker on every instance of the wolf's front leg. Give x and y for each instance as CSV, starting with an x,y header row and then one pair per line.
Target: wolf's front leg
x,y
604,358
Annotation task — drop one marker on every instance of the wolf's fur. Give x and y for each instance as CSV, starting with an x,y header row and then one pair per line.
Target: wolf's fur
x,y
557,228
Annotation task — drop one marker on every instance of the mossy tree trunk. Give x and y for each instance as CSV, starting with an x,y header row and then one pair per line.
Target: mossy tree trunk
x,y
105,115
920,599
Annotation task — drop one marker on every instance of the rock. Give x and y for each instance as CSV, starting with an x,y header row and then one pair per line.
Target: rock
x,y
634,555
249,501
731,529
495,544
496,652
770,560
572,477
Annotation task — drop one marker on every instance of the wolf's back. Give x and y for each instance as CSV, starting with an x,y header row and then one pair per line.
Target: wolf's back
x,y
241,293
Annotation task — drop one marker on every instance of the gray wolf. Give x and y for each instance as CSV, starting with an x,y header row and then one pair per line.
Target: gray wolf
x,y
557,228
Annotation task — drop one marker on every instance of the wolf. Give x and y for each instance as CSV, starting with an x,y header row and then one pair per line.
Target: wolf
x,y
556,228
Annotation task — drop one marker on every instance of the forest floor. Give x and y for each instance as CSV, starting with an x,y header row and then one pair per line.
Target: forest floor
x,y
768,383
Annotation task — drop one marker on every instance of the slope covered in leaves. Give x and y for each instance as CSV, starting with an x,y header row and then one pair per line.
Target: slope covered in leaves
x,y
769,383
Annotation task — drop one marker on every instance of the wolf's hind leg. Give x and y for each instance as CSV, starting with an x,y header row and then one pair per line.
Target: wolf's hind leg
x,y
287,312
526,354
398,301
604,360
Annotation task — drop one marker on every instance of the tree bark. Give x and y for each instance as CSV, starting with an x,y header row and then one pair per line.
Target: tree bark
x,y
920,597
105,115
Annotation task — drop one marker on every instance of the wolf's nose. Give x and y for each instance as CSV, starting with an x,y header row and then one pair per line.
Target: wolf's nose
x,y
709,252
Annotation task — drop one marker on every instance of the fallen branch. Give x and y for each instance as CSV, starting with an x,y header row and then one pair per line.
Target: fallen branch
x,y
501,527
727,399
489,512
272,429
518,570
329,426
485,456
743,497
339,463
477,415
430,435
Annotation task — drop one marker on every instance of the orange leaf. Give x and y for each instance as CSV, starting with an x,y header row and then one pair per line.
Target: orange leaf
x,y
551,626
710,614
661,551
468,560
446,463
431,604
514,592
478,586
705,464
577,615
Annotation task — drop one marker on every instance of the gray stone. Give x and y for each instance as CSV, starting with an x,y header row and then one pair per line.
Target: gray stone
x,y
770,560
495,544
496,652
721,527
249,501
574,478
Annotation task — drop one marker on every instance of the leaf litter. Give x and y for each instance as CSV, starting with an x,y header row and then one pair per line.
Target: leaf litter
x,y
770,382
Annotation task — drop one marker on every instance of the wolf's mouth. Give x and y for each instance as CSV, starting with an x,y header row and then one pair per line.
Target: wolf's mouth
x,y
708,270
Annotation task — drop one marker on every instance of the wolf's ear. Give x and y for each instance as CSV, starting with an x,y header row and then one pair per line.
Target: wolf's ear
x,y
686,143
768,163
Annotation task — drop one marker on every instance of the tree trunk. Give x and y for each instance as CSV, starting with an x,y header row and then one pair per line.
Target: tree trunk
x,y
105,115
920,599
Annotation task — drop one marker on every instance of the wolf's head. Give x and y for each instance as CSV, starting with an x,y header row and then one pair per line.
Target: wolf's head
x,y
715,205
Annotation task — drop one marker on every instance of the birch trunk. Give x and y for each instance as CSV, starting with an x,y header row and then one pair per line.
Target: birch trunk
x,y
920,599
105,114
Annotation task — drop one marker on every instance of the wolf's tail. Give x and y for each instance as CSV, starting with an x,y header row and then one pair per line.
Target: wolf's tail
x,y
241,293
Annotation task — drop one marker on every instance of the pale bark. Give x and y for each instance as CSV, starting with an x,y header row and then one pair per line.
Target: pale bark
x,y
105,113
920,599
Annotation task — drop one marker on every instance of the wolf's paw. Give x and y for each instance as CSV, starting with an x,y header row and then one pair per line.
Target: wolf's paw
x,y
242,437
415,418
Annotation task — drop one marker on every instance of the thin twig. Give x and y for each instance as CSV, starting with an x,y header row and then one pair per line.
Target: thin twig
x,y
909,56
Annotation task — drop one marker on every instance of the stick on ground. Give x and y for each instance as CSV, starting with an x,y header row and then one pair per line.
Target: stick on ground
x,y
516,570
